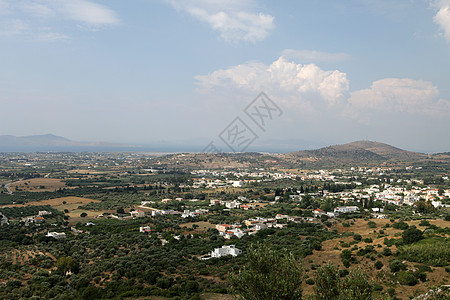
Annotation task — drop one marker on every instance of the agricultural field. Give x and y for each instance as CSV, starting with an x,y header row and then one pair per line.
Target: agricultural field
x,y
38,185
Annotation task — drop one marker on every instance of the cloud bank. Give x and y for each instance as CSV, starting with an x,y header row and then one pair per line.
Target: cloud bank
x,y
234,20
309,89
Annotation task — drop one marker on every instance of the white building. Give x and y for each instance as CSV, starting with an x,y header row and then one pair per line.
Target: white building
x,y
44,213
137,214
236,183
232,204
56,235
345,209
145,229
226,250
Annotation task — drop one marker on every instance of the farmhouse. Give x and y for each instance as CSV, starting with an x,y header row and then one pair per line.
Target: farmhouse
x,y
226,250
56,235
137,214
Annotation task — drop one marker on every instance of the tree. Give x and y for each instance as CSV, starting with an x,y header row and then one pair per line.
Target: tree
x,y
378,264
356,286
327,282
268,274
66,264
83,215
412,235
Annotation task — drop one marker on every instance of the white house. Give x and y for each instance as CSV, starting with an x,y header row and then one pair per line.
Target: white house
x,y
345,209
44,213
232,204
56,235
226,250
233,232
236,183
137,214
319,212
145,229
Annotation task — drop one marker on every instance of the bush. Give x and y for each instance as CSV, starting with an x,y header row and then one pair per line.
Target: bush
x,y
412,235
309,281
357,237
378,265
396,266
407,278
372,224
387,251
424,223
400,225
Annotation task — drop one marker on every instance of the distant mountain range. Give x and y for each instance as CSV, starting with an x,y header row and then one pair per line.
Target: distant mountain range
x,y
359,151
50,142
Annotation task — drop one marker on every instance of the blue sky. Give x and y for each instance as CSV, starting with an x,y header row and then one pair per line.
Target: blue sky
x,y
178,72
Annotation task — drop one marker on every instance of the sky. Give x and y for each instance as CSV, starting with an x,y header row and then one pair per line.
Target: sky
x,y
191,72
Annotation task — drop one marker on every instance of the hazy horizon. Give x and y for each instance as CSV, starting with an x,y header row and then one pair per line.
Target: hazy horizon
x,y
175,72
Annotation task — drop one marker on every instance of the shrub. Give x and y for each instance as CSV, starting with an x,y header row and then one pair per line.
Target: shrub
x,y
396,266
407,278
422,276
400,225
309,281
378,265
424,223
357,237
372,224
412,235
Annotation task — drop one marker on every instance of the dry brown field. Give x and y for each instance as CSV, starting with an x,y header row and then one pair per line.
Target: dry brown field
x,y
35,184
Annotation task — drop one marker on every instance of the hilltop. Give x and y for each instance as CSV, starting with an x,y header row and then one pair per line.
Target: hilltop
x,y
359,152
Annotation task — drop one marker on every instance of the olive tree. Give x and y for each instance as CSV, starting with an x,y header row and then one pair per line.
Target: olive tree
x,y
268,274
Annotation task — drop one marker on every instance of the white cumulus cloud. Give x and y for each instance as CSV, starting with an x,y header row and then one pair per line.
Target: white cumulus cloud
x,y
399,95
309,89
442,17
234,20
297,86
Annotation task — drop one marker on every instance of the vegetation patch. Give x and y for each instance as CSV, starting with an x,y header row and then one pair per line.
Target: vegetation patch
x,y
431,251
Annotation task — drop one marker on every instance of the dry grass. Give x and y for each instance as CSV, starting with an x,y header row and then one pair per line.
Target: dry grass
x,y
331,250
35,184
69,203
